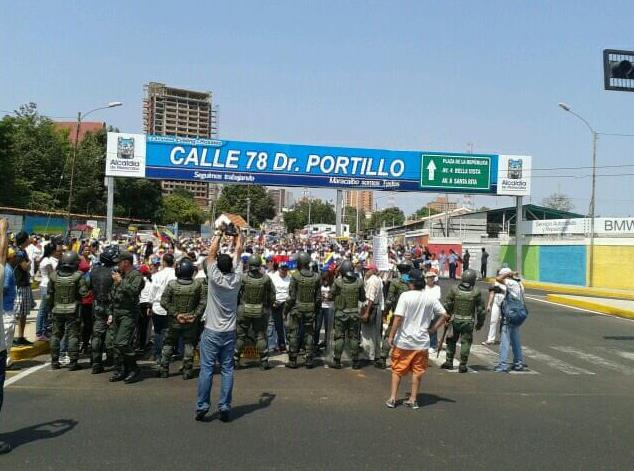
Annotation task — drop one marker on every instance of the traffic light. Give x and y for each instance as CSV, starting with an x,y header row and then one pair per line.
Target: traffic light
x,y
618,70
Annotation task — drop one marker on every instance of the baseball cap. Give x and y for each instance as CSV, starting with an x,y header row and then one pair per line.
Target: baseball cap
x,y
123,255
431,272
505,271
144,269
371,266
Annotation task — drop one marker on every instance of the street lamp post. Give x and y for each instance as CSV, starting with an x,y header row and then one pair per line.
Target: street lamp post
x,y
567,108
81,116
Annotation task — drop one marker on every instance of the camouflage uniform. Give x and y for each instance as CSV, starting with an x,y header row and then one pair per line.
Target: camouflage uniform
x,y
304,299
257,295
101,284
182,297
65,290
463,303
347,292
125,310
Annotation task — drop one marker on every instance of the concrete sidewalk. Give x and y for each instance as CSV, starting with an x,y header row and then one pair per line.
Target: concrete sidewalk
x,y
38,347
615,307
580,290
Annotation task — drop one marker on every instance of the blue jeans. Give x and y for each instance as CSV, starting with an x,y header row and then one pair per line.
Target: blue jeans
x,y
275,331
3,368
42,324
216,346
160,331
510,336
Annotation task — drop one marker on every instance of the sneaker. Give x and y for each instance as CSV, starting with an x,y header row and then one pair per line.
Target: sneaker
x,y
486,343
5,448
390,403
64,360
411,404
432,350
519,367
500,369
200,415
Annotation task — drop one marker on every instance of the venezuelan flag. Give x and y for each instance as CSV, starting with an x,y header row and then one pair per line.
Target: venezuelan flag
x,y
329,260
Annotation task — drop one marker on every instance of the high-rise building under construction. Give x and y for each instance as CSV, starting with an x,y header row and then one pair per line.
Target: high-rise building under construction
x,y
170,111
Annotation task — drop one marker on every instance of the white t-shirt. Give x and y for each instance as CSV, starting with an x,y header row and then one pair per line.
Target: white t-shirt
x,y
281,286
47,266
417,308
326,303
146,292
222,298
159,282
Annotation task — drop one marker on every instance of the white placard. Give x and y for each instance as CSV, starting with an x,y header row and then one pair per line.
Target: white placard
x,y
579,226
379,250
125,155
514,175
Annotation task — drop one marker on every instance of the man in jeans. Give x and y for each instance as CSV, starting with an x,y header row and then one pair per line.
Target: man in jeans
x,y
219,336
510,337
4,446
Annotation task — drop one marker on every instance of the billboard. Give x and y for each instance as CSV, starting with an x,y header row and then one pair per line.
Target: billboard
x,y
221,161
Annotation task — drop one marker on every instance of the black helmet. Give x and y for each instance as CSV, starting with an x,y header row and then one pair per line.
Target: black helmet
x,y
69,261
303,260
254,262
347,269
469,277
108,255
185,269
404,267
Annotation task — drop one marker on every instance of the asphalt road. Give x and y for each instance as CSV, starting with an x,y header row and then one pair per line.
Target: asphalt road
x,y
572,410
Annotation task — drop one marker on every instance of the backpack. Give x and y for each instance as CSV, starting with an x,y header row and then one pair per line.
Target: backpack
x,y
514,309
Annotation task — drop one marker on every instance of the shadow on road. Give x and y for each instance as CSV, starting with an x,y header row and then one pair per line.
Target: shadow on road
x,y
618,337
265,401
431,399
42,431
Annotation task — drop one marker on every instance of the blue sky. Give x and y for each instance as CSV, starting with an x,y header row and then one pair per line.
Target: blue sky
x,y
400,75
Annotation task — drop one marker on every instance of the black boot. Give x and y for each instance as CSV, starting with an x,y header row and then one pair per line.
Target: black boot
x,y
336,363
310,363
292,362
119,375
97,369
356,364
55,363
380,363
264,364
462,368
74,366
447,365
134,374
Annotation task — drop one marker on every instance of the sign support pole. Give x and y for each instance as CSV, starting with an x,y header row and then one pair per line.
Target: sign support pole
x,y
338,212
518,234
110,207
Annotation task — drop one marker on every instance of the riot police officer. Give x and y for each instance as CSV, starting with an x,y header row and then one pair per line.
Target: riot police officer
x,y
348,292
257,295
101,285
304,299
397,287
463,304
65,289
184,301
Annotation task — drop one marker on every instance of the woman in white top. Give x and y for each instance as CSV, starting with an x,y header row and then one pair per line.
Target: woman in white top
x,y
326,313
494,309
48,264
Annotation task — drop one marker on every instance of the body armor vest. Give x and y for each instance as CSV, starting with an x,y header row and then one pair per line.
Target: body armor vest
x,y
464,303
185,297
66,296
253,294
306,290
348,299
399,287
101,281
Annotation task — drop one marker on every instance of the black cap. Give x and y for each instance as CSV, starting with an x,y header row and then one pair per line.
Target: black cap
x,y
123,255
21,237
415,275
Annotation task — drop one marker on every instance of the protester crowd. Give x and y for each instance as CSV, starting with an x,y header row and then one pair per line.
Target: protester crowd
x,y
163,300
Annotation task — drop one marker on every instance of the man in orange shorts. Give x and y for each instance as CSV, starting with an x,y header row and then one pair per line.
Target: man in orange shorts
x,y
409,336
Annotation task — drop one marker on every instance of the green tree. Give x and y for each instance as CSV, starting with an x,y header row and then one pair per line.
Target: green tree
x,y
423,213
233,199
320,213
559,201
181,207
388,217
138,198
89,194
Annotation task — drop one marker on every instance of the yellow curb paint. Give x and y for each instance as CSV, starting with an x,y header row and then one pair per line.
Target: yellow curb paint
x,y
31,351
580,290
592,306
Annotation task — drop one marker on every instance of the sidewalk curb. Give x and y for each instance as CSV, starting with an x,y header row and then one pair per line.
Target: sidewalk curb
x,y
580,290
31,351
591,305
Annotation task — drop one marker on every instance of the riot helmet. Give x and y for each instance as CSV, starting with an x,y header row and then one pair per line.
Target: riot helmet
x,y
185,269
69,261
469,278
254,262
347,270
303,260
108,255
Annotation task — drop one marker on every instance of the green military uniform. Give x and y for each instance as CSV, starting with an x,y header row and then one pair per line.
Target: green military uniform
x,y
182,297
347,292
65,290
101,285
464,303
304,298
124,309
257,295
397,287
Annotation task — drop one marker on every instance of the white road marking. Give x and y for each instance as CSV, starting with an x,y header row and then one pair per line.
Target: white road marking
x,y
555,362
597,360
579,309
494,358
621,353
25,373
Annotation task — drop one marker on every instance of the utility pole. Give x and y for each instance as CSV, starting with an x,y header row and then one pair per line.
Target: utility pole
x,y
338,213
248,212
